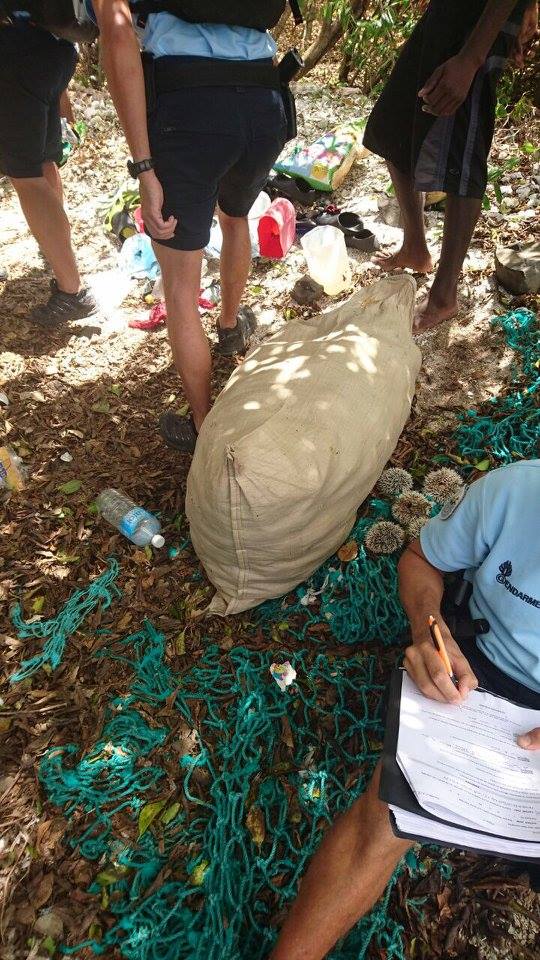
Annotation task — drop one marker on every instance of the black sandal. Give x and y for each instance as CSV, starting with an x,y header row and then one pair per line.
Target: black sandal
x,y
178,432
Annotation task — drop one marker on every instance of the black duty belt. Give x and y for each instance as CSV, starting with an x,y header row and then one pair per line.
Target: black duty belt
x,y
172,73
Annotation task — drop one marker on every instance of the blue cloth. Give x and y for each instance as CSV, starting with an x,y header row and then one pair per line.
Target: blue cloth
x,y
494,534
168,36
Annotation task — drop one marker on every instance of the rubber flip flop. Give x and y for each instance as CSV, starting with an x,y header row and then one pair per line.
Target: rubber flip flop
x,y
304,225
328,216
293,189
364,240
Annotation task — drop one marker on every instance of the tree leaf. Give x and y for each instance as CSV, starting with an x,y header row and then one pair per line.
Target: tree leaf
x,y
95,932
181,644
148,814
255,824
170,813
483,465
348,552
44,891
72,486
286,733
49,945
111,875
100,407
199,872
37,604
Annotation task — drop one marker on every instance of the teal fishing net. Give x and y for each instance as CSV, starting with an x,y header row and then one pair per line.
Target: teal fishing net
x,y
509,427
239,778
56,632
262,772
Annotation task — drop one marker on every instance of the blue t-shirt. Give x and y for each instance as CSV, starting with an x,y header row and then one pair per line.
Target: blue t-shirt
x,y
494,533
167,36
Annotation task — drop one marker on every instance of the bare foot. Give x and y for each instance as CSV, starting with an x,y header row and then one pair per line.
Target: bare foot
x,y
429,314
420,261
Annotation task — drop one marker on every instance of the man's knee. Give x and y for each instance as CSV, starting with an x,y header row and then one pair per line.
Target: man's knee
x,y
232,224
372,819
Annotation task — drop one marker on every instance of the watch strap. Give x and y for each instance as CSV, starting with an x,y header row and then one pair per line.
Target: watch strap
x,y
135,168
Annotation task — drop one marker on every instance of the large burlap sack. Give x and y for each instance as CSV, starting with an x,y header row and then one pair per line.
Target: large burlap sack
x,y
295,442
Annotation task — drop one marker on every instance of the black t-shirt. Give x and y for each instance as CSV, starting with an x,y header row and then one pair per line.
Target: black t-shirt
x,y
470,11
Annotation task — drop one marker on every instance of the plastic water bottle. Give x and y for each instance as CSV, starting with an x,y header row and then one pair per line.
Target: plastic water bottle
x,y
139,526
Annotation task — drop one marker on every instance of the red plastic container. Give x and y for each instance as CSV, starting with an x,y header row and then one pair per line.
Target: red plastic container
x,y
277,229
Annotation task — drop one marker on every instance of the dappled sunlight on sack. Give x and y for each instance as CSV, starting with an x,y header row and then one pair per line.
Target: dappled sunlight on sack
x,y
295,442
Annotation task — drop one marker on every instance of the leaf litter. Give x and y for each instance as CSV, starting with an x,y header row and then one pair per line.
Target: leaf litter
x,y
98,389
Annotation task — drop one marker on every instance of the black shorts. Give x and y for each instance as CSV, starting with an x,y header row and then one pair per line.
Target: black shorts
x,y
213,145
35,69
441,153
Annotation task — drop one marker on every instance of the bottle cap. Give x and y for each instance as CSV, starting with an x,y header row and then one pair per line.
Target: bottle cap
x,y
158,541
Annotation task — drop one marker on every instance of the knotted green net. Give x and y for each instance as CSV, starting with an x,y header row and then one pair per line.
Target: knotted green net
x,y
231,794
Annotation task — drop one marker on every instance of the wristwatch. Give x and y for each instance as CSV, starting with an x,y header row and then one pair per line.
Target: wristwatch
x,y
140,166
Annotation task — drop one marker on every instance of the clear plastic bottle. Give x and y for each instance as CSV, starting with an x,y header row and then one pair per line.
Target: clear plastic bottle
x,y
139,526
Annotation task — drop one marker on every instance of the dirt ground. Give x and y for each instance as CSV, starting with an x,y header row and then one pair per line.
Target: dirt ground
x,y
94,390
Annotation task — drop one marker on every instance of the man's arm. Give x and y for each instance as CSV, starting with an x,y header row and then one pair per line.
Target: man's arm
x,y
66,110
529,29
421,590
450,83
123,69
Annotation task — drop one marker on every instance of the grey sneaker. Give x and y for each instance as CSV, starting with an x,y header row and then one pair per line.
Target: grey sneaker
x,y
61,307
236,339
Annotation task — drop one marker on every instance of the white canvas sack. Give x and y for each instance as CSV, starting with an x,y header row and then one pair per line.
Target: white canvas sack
x,y
295,442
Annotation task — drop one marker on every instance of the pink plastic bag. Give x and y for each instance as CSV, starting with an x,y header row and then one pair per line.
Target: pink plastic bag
x,y
277,229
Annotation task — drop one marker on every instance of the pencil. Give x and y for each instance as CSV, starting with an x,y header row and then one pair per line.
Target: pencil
x,y
438,643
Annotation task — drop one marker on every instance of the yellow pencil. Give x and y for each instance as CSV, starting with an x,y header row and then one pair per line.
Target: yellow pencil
x,y
438,643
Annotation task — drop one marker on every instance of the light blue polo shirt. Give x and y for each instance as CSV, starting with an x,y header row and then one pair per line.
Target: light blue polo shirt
x,y
494,533
167,36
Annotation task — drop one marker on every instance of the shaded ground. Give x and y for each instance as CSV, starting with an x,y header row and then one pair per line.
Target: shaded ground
x,y
95,390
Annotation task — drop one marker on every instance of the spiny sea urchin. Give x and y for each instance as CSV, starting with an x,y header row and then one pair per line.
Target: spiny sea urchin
x,y
415,526
409,506
394,481
384,537
444,484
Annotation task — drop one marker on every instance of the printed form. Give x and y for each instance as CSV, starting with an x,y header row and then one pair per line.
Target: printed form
x,y
464,765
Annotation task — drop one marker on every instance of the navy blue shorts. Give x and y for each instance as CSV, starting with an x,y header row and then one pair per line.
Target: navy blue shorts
x,y
213,145
35,69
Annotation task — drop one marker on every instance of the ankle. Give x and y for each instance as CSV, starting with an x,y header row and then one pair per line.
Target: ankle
x,y
71,288
443,296
227,323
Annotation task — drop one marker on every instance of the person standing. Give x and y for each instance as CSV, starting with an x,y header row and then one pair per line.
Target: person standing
x,y
35,70
434,124
207,130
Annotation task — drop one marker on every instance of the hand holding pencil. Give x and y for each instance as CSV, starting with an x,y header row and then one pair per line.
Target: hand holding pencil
x,y
436,664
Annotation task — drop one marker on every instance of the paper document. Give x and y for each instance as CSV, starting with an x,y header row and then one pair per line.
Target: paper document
x,y
463,764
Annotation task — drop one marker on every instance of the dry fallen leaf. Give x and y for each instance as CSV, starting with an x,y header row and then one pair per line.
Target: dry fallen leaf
x,y
44,891
348,552
255,825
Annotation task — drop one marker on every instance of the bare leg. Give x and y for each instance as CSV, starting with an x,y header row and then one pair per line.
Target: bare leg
x,y
52,176
181,271
41,203
460,220
345,878
414,252
234,267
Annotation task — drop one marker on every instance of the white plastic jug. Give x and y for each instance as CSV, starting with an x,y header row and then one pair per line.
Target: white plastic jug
x,y
327,259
